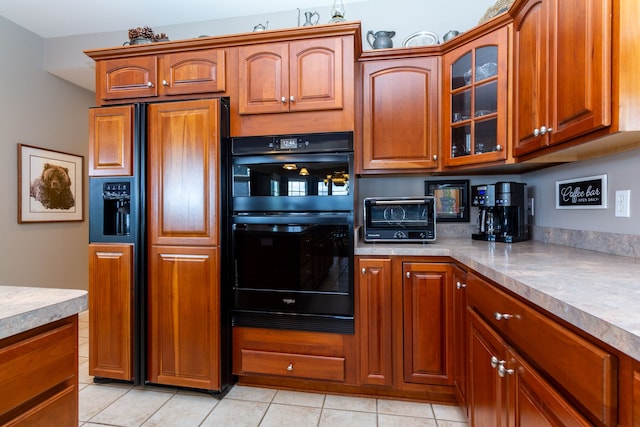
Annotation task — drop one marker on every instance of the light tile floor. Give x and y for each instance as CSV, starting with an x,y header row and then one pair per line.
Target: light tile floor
x,y
127,405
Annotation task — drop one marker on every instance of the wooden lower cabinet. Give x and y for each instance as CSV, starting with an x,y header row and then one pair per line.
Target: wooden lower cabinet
x,y
460,365
404,325
504,390
529,369
111,308
39,376
184,317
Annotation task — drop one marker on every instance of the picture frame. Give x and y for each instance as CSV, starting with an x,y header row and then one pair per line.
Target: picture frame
x,y
582,193
451,198
50,185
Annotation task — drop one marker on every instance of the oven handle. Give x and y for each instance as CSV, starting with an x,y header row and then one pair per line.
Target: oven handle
x,y
294,218
400,201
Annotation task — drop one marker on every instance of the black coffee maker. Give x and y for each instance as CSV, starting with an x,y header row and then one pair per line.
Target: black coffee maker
x,y
502,212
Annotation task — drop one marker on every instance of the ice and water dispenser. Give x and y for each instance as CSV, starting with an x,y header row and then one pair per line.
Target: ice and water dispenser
x,y
116,208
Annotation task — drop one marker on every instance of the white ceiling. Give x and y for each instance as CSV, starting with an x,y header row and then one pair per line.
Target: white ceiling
x,y
58,18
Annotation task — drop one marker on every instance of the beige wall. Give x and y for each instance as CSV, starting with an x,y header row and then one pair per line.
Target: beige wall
x,y
38,109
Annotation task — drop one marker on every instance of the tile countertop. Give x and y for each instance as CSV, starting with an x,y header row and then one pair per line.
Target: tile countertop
x,y
24,308
596,292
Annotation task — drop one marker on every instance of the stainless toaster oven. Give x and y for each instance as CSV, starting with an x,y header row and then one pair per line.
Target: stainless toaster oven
x,y
400,219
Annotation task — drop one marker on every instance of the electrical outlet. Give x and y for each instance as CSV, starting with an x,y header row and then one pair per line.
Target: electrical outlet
x,y
622,203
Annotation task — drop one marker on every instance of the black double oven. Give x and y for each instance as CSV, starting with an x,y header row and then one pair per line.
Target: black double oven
x,y
290,231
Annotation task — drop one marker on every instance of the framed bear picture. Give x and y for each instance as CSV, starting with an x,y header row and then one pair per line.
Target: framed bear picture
x,y
50,185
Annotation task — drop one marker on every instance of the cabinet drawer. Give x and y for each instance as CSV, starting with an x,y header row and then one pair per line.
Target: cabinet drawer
x,y
37,363
585,371
60,410
293,365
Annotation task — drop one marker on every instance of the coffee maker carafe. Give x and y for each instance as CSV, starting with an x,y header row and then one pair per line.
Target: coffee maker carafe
x,y
502,212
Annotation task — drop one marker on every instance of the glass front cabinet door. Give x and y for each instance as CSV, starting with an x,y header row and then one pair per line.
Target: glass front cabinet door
x,y
475,101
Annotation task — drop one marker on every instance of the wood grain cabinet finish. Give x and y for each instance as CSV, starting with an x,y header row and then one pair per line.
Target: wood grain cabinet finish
x,y
577,368
427,323
184,316
303,75
561,70
111,141
460,342
504,390
39,376
475,101
145,76
373,278
184,172
111,308
400,114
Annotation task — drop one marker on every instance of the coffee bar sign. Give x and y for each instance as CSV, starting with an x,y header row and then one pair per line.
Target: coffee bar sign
x,y
582,193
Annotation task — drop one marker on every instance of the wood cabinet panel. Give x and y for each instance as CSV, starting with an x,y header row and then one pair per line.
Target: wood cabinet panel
x,y
264,78
400,114
375,322
184,316
190,72
123,78
183,169
427,323
36,366
293,365
62,408
111,141
578,367
460,341
111,307
562,71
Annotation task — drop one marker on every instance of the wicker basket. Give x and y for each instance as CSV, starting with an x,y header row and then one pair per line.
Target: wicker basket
x,y
499,7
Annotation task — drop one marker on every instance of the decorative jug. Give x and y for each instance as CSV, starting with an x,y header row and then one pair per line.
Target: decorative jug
x,y
381,39
308,16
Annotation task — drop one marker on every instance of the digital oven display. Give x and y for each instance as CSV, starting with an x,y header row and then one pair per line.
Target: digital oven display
x,y
287,143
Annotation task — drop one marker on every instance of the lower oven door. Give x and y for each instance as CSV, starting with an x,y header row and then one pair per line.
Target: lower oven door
x,y
293,271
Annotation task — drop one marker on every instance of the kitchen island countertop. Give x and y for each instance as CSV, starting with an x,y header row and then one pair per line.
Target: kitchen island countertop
x,y
24,308
596,292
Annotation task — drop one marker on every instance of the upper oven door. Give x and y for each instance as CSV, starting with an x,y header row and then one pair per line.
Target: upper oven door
x,y
296,182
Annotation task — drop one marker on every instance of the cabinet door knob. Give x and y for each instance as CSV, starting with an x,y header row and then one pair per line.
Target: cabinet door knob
x,y
495,362
290,367
536,132
461,285
502,316
544,129
499,147
149,84
165,83
502,371
408,275
283,99
435,157
292,98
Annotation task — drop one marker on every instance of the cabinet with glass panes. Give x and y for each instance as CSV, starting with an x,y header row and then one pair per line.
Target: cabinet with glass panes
x,y
475,101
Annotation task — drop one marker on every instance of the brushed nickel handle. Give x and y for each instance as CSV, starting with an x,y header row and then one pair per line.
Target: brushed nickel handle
x,y
292,98
544,129
408,275
283,99
536,132
495,362
502,316
290,367
499,147
461,285
435,157
364,270
502,371
150,84
165,83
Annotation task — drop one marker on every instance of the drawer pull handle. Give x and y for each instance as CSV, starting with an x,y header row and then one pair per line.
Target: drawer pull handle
x,y
290,367
502,371
495,362
502,316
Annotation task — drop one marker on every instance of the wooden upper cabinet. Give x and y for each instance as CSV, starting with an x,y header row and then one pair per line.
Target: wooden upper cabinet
x,y
561,71
303,75
183,165
179,73
474,102
124,78
111,307
400,114
111,137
